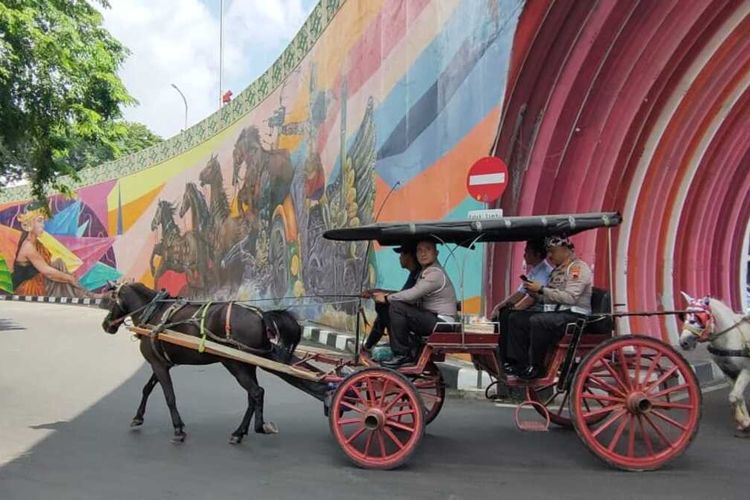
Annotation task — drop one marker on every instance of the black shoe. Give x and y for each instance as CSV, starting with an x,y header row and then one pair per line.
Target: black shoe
x,y
530,373
398,362
510,369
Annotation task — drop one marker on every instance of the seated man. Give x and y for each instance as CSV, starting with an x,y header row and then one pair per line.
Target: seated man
x,y
522,301
566,299
408,260
419,308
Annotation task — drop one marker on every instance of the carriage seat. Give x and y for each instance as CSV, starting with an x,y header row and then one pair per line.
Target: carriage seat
x,y
601,303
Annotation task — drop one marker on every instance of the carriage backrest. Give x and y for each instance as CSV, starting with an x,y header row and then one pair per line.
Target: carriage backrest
x,y
601,303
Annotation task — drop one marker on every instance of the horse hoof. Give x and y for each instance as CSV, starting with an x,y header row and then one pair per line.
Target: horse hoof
x,y
235,440
270,428
742,433
136,422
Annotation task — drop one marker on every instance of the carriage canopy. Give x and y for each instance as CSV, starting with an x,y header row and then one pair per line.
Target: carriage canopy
x,y
466,232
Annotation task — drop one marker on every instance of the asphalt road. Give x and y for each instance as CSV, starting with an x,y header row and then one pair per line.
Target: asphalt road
x,y
68,392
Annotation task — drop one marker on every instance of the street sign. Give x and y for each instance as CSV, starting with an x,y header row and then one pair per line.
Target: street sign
x,y
487,179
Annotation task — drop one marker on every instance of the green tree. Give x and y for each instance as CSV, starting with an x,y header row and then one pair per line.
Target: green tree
x,y
60,96
117,138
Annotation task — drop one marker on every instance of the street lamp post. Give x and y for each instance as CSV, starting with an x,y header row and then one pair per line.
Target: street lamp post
x,y
184,101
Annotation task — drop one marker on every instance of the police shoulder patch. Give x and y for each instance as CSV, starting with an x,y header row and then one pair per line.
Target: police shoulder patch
x,y
575,271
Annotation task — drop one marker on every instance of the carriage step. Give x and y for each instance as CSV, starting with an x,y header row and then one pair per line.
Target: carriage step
x,y
532,425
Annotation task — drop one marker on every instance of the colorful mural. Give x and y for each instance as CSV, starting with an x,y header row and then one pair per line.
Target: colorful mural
x,y
375,111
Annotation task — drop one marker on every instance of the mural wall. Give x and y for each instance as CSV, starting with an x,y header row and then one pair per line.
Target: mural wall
x,y
376,110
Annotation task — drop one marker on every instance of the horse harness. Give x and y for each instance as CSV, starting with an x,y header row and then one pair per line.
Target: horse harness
x,y
197,319
738,353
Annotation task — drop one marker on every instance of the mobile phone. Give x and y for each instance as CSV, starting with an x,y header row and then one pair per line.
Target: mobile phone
x,y
524,278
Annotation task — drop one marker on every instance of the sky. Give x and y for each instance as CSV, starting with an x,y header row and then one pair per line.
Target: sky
x,y
177,42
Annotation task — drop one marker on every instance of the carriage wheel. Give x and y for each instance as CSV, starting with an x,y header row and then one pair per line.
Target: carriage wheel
x,y
648,398
431,386
377,418
279,259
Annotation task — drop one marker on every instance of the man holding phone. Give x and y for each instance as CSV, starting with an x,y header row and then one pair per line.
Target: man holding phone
x,y
566,299
522,302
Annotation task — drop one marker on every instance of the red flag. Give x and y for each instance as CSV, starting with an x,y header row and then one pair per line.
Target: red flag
x,y
227,97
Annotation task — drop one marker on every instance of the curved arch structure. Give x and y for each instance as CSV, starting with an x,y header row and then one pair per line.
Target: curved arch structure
x,y
641,107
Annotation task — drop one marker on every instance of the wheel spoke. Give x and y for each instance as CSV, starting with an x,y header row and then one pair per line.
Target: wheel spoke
x,y
395,400
602,411
631,437
368,443
356,434
351,406
370,392
610,420
604,385
646,437
381,442
358,392
399,425
663,378
669,390
624,368
401,413
394,438
618,432
385,392
659,432
601,397
650,371
669,420
348,421
613,372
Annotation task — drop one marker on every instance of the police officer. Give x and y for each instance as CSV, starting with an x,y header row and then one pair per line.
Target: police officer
x,y
566,298
408,261
418,309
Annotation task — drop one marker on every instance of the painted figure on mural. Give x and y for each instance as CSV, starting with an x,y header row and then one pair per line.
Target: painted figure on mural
x,y
34,271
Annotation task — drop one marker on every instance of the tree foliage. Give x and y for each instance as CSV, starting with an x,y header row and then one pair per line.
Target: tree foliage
x,y
60,97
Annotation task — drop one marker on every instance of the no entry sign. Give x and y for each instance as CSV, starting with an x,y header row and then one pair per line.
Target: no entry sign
x,y
487,179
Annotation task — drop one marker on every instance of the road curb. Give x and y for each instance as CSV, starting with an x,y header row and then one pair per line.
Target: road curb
x,y
52,300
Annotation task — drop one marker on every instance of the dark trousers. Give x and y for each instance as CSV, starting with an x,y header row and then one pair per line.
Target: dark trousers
x,y
382,321
532,335
504,319
406,319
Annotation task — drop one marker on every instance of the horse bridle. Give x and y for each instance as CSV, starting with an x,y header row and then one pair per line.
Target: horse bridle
x,y
703,313
116,298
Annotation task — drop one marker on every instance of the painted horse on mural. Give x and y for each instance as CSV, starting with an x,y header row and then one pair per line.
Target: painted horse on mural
x,y
728,336
194,202
268,174
222,230
271,334
178,251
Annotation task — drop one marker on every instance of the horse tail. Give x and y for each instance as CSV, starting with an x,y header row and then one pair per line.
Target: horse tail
x,y
288,330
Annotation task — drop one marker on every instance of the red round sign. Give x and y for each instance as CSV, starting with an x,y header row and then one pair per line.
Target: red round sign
x,y
487,179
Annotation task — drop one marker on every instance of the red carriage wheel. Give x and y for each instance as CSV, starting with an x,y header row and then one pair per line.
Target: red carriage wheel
x,y
377,418
647,403
431,387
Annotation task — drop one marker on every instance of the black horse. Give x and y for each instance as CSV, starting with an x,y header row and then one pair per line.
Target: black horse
x,y
247,328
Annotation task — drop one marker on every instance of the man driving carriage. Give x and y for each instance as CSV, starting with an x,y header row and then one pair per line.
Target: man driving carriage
x,y
418,309
408,260
566,299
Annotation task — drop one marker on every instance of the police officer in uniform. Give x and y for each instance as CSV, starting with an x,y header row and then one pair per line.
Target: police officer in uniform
x,y
566,298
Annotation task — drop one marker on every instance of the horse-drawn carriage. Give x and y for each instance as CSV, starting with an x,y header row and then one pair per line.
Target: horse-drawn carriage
x,y
633,400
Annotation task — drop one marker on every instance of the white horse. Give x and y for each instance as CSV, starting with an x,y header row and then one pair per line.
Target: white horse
x,y
728,334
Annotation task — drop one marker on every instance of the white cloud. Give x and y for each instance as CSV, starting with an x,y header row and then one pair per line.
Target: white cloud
x,y
177,41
